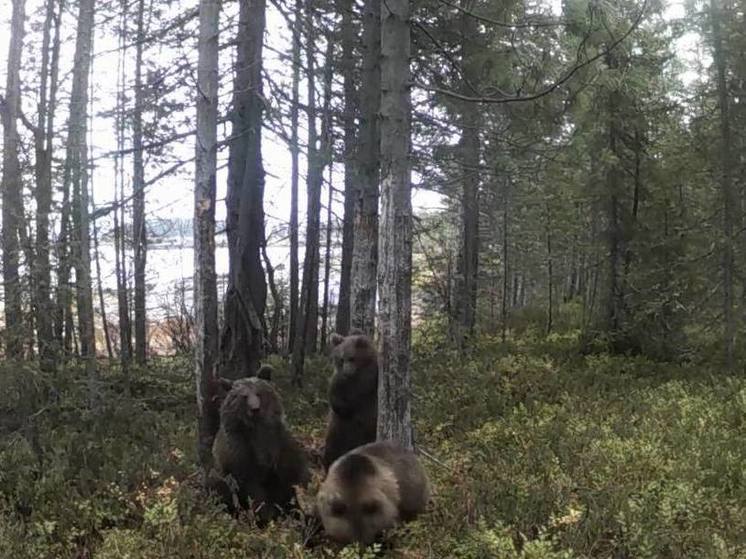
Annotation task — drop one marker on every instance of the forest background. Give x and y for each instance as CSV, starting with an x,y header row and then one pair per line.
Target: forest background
x,y
578,279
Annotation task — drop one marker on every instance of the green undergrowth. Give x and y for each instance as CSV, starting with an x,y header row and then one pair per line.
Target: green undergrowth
x,y
534,451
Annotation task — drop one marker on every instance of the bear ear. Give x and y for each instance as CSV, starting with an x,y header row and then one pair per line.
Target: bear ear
x,y
225,383
336,339
356,332
265,372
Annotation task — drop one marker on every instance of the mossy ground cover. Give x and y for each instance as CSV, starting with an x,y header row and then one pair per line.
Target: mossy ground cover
x,y
534,452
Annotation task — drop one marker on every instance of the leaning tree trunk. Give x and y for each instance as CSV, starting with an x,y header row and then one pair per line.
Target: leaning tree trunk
x,y
77,162
139,232
395,239
726,169
351,192
205,286
11,187
365,243
245,297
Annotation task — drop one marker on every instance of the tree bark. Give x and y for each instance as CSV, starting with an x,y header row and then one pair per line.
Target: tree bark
x,y
726,170
307,327
395,239
294,180
205,283
615,235
139,231
468,257
77,162
365,229
43,146
327,260
351,110
245,298
12,186
273,330
120,260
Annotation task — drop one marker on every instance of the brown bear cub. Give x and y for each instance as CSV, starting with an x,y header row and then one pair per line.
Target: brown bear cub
x,y
353,395
371,489
257,461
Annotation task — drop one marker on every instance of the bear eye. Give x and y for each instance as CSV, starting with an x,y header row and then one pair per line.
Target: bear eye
x,y
371,508
338,508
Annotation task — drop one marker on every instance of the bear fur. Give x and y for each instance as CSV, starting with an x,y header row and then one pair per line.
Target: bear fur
x,y
369,490
257,462
353,395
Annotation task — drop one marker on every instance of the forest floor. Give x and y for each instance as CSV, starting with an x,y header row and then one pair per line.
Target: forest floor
x,y
534,452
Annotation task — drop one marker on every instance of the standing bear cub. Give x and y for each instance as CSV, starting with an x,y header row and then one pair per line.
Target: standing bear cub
x,y
353,395
257,461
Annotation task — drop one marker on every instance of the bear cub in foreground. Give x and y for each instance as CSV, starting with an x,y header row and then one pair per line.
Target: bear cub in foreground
x,y
256,458
371,489
353,395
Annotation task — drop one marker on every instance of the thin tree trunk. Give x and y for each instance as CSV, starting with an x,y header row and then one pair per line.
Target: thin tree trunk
x,y
395,240
274,322
307,324
139,231
245,298
294,180
468,258
726,169
205,284
365,229
351,192
327,261
12,186
99,283
77,161
616,238
120,259
43,145
550,271
506,267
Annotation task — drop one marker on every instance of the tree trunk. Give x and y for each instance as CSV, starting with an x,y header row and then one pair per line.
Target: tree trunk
x,y
43,146
327,259
365,242
205,287
310,287
550,271
506,266
100,285
12,186
77,162
139,231
395,241
351,110
726,169
245,298
277,303
294,180
616,238
468,259
307,327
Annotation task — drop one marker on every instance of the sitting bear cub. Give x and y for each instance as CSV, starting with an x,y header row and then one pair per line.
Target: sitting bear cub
x,y
353,395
